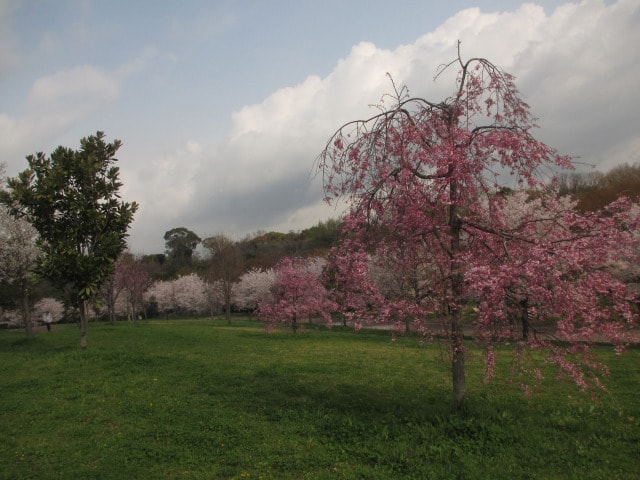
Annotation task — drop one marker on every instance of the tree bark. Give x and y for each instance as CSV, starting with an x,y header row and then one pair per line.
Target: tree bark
x,y
524,304
457,360
227,311
26,314
227,300
83,325
457,291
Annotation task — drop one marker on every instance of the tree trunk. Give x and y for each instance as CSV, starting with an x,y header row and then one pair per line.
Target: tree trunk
x,y
83,325
294,324
26,313
227,298
524,304
111,307
457,296
227,312
457,360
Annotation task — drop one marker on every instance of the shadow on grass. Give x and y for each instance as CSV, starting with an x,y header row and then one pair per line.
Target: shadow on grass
x,y
199,402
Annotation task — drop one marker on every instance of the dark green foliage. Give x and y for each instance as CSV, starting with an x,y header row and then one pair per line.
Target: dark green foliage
x,y
155,265
180,243
201,400
321,236
264,250
72,199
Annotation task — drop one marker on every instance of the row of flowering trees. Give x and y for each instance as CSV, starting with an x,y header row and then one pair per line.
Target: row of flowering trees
x,y
46,309
290,293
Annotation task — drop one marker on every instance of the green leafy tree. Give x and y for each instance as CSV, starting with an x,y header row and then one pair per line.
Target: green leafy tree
x,y
72,199
180,243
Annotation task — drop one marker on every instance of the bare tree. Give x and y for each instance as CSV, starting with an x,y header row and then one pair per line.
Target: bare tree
x,y
225,266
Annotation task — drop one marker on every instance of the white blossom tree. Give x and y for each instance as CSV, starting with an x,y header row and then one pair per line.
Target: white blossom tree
x,y
190,293
18,254
185,295
55,308
252,286
161,292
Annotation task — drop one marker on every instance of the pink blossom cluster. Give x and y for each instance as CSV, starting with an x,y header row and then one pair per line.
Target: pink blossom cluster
x,y
296,295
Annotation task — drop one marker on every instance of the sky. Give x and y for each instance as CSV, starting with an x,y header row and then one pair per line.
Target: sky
x,y
222,106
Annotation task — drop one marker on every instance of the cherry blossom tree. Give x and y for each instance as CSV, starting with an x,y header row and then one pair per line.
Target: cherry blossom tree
x,y
162,293
190,294
296,293
55,308
418,176
351,286
131,280
18,255
186,295
548,278
252,287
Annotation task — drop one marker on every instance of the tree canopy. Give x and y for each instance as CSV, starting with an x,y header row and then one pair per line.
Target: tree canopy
x,y
180,243
72,199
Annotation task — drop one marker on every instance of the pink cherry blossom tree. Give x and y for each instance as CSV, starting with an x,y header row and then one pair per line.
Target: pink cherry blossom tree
x,y
547,278
419,175
297,293
126,290
351,286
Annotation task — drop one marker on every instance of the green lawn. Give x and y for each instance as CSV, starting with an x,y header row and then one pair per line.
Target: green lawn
x,y
199,399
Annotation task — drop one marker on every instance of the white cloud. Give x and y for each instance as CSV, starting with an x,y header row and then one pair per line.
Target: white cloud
x,y
578,68
56,103
582,80
71,94
172,178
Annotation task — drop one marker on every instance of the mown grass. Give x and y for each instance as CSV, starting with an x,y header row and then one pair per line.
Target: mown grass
x,y
200,399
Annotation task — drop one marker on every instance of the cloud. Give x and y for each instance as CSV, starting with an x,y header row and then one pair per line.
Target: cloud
x,y
172,177
262,173
577,67
71,94
54,104
581,80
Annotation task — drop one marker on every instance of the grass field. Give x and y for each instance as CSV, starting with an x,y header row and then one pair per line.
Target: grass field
x,y
194,399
